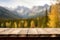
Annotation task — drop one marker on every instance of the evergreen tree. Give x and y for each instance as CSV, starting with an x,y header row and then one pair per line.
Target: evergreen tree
x,y
45,19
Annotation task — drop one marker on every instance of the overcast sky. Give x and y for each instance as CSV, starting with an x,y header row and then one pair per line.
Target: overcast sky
x,y
27,3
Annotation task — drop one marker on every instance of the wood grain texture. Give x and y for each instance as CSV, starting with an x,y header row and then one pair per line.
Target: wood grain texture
x,y
29,30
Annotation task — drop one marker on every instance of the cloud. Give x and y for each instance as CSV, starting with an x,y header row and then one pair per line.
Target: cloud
x,y
27,3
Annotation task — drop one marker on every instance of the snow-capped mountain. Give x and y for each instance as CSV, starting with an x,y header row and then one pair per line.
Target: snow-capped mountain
x,y
23,12
5,13
39,10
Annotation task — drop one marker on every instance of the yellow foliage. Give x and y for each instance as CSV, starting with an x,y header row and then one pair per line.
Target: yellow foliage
x,y
32,24
2,24
8,24
37,18
22,21
53,16
25,24
19,24
15,25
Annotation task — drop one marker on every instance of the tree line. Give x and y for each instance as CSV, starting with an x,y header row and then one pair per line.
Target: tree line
x,y
50,20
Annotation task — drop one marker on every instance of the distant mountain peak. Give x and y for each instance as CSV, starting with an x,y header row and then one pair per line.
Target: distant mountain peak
x,y
23,12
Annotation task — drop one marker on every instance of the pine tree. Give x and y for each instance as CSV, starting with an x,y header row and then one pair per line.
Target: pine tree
x,y
45,19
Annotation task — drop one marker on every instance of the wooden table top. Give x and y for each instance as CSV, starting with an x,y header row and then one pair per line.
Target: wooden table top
x,y
29,30
32,31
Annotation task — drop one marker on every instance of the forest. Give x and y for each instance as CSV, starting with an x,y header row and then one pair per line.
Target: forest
x,y
50,20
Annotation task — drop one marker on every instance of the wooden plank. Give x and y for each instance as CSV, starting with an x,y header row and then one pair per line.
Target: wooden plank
x,y
29,30
57,30
7,31
16,31
32,31
23,31
52,31
3,29
42,31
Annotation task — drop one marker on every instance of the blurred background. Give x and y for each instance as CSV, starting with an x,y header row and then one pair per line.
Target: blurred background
x,y
30,14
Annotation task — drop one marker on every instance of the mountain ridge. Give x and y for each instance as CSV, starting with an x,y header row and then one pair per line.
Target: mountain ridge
x,y
23,12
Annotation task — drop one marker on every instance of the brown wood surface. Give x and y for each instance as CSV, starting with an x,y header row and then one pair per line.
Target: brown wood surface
x,y
29,30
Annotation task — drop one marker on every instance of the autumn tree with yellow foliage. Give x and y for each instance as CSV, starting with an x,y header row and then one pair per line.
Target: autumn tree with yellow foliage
x,y
8,24
32,24
25,24
14,25
53,17
19,24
